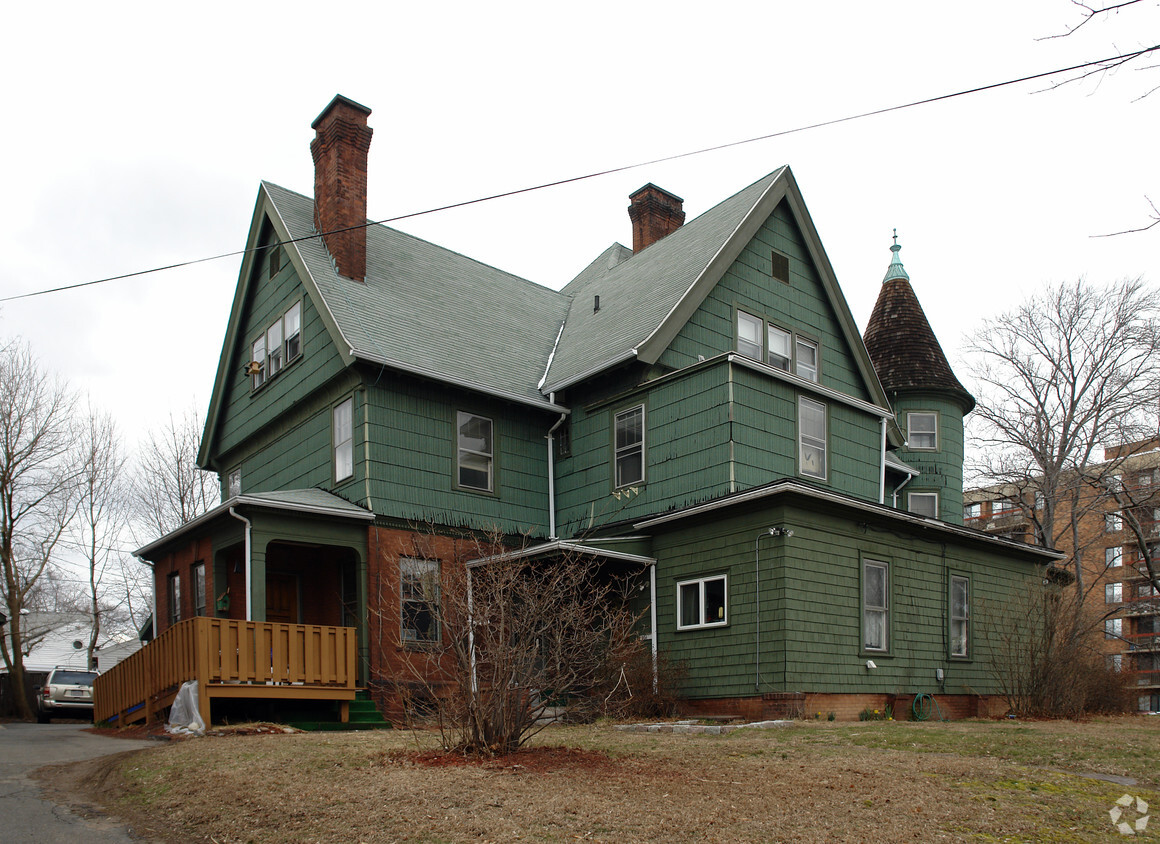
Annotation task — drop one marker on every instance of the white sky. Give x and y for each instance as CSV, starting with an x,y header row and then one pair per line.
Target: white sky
x,y
134,135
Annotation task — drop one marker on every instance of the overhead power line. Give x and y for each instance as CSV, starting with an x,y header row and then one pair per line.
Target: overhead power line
x,y
1110,60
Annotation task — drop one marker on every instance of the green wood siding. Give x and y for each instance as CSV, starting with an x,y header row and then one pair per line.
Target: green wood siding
x,y
810,603
412,458
256,426
942,470
801,306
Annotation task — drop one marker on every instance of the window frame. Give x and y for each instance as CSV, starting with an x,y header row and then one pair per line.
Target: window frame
x,y
463,417
343,447
234,482
911,432
1113,628
953,637
274,361
620,453
759,323
173,597
883,610
923,494
1114,556
1114,593
197,578
701,583
258,356
770,328
824,441
433,605
800,341
1113,522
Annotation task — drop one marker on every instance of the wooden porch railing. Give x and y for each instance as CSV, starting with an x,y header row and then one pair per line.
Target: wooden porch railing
x,y
229,658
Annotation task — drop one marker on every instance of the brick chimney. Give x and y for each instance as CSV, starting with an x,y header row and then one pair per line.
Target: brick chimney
x,y
339,149
654,213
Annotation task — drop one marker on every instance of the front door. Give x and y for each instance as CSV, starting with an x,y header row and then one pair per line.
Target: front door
x,y
282,598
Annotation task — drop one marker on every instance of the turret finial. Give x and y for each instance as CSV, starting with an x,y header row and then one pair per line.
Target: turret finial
x,y
895,270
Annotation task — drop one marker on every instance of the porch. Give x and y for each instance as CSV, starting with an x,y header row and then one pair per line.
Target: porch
x,y
231,659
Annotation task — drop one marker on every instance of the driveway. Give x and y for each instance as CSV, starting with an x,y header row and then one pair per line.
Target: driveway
x,y
26,814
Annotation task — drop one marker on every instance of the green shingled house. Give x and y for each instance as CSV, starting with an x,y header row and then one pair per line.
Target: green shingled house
x,y
700,405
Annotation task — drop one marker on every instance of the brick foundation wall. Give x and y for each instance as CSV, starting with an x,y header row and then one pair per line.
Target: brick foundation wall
x,y
846,707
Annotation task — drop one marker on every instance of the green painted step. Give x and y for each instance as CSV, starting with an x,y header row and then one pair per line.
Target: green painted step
x,y
363,715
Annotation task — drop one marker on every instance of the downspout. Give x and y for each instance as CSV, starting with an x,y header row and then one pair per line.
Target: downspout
x,y
249,571
897,489
652,582
882,468
552,471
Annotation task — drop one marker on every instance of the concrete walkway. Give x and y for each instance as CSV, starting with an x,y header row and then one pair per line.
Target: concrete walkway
x,y
26,814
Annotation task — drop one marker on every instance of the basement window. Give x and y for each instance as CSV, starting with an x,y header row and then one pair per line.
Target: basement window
x,y
702,603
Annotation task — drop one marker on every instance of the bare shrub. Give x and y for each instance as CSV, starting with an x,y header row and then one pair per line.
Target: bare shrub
x,y
494,644
1043,658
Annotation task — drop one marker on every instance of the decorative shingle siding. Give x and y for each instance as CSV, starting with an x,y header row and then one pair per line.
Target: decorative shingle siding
x,y
411,430
273,412
942,470
801,306
810,596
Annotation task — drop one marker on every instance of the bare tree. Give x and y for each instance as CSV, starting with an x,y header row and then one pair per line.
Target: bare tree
x,y
494,642
37,488
1073,370
170,488
102,516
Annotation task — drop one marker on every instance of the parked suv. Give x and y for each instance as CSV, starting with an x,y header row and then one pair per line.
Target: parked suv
x,y
67,692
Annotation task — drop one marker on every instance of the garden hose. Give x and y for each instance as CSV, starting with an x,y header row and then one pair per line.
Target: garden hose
x,y
922,706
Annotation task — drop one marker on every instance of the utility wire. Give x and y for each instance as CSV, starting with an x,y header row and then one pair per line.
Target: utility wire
x,y
1118,59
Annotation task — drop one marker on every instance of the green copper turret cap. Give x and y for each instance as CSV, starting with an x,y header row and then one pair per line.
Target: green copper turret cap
x,y
895,270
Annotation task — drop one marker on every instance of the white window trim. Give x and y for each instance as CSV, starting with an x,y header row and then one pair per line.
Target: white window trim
x,y
965,619
461,417
342,448
884,609
700,583
628,450
911,496
910,432
805,440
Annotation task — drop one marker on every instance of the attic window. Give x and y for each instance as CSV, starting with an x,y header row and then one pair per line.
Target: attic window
x,y
275,260
780,267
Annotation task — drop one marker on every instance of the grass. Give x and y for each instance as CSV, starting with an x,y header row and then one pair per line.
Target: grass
x,y
865,782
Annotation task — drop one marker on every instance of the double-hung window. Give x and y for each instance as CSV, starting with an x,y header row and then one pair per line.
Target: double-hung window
x,y
1113,522
475,449
1113,628
1113,593
777,347
702,602
173,592
199,589
807,359
811,438
629,446
419,600
279,345
1114,556
960,616
343,434
922,431
923,504
875,605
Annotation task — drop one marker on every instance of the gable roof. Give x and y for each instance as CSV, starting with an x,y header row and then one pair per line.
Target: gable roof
x,y
646,298
437,314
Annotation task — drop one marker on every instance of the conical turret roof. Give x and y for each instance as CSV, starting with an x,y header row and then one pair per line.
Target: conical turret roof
x,y
905,352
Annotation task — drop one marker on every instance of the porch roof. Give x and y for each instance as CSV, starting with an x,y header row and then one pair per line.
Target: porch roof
x,y
560,546
311,502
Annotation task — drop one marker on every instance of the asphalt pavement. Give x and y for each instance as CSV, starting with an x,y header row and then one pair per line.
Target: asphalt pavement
x,y
25,813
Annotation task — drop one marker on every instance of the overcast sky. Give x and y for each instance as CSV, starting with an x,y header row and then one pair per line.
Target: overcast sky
x,y
135,134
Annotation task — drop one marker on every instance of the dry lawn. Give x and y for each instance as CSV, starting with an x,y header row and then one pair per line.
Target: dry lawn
x,y
866,782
